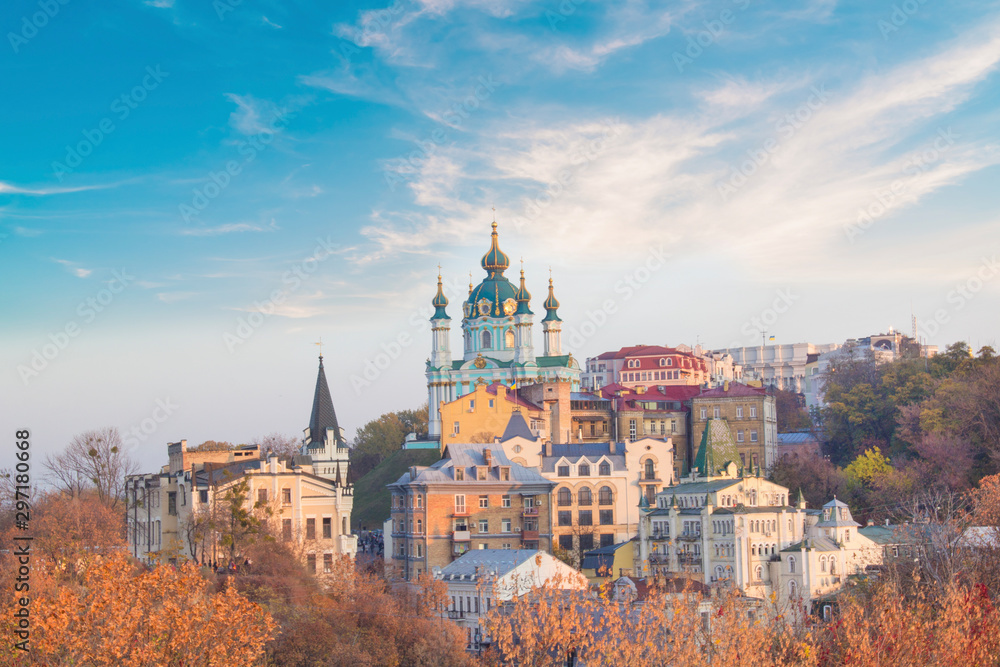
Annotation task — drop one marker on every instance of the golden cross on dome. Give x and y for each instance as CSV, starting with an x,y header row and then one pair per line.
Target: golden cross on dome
x,y
439,270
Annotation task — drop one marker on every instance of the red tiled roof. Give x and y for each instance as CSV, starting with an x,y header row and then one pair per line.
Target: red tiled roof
x,y
735,389
639,351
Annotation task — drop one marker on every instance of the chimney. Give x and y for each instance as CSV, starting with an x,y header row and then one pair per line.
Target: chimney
x,y
488,457
725,386
548,448
612,445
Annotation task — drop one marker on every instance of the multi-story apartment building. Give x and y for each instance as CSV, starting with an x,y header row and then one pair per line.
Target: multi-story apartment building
x,y
597,486
305,499
645,365
722,527
475,497
751,416
483,414
781,366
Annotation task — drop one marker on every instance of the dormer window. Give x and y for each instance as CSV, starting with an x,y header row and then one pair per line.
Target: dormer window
x,y
504,473
459,474
481,473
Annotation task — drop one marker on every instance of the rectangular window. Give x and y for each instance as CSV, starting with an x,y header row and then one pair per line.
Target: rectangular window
x,y
311,563
484,525
753,436
754,458
739,412
327,528
739,436
491,402
704,414
455,428
328,563
310,529
460,503
286,530
504,525
420,501
753,412
481,473
565,518
563,471
504,474
505,501
472,404
586,542
203,495
286,496
631,429
484,502
459,474
566,542
172,503
673,426
607,540
715,411
586,518
607,517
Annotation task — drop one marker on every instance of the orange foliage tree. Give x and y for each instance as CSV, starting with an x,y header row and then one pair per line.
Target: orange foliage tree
x,y
123,614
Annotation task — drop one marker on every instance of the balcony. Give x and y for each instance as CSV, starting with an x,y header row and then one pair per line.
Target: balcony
x,y
689,537
659,559
659,535
529,535
461,536
529,511
454,614
689,559
462,510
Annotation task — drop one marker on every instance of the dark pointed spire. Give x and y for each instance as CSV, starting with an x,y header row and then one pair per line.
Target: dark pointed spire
x,y
339,481
323,415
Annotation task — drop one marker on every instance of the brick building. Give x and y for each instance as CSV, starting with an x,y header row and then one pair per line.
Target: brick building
x,y
751,416
475,497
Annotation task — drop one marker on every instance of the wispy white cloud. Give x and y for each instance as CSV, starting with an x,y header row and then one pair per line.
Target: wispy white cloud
x,y
10,188
229,228
73,267
271,23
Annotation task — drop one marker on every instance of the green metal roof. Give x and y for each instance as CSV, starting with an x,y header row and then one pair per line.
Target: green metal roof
x,y
717,448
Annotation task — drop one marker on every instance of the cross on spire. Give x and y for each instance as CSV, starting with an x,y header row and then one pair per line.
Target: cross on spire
x,y
320,343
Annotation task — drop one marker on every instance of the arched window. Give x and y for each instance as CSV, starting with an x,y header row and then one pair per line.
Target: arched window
x,y
604,469
487,340
650,473
753,550
792,590
833,565
565,498
343,526
604,496
584,497
791,564
759,573
508,338
822,564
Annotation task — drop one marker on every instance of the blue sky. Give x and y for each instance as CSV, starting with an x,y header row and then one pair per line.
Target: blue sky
x,y
171,169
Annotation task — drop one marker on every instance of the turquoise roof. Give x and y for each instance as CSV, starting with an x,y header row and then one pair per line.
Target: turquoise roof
x,y
717,448
495,290
523,296
551,304
439,303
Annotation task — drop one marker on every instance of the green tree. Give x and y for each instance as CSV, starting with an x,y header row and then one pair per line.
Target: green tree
x,y
791,411
239,524
380,437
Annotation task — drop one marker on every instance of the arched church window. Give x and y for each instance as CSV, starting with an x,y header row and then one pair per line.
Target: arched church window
x,y
508,337
487,340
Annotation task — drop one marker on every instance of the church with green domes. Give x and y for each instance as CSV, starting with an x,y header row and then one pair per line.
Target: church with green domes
x,y
497,337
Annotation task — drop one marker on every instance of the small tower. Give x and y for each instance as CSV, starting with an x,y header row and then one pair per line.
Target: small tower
x,y
524,349
552,325
324,440
440,357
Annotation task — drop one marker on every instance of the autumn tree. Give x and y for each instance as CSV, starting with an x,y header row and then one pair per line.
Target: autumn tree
x,y
213,446
126,614
791,411
238,522
278,444
95,459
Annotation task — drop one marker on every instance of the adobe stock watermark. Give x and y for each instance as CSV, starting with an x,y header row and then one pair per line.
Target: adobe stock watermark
x,y
292,279
566,9
122,107
785,129
139,433
887,198
87,310
755,327
960,296
30,25
627,287
580,161
390,351
401,169
218,181
701,40
900,14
